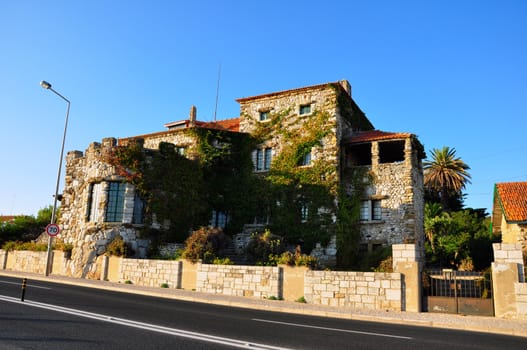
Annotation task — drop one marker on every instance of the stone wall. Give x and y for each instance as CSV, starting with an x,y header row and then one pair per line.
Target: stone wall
x,y
399,186
322,98
151,273
508,281
359,290
247,281
27,261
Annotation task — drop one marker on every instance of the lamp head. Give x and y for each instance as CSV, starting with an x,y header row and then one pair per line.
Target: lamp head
x,y
45,84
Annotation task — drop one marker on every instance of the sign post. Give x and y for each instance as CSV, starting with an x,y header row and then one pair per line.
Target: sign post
x,y
52,230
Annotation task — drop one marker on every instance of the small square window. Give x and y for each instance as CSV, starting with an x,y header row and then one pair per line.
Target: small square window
x,y
264,116
305,109
262,159
376,210
306,159
304,213
370,210
365,210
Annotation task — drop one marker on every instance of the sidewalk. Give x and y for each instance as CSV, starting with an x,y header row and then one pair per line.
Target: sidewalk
x,y
425,319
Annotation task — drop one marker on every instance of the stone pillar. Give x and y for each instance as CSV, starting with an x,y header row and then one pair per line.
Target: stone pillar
x,y
406,261
507,272
3,259
104,268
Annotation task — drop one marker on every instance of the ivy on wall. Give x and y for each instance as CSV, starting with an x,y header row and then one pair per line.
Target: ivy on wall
x,y
303,204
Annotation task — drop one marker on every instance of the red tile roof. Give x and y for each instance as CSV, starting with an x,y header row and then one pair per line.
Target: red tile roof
x,y
513,199
376,135
226,124
8,218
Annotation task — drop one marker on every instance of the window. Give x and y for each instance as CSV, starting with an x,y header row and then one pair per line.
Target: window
x,y
138,216
264,116
180,150
115,202
262,159
364,210
370,210
358,155
304,213
305,109
93,201
376,210
391,151
305,159
219,219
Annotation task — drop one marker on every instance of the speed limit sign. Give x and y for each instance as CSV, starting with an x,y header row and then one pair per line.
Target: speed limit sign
x,y
52,230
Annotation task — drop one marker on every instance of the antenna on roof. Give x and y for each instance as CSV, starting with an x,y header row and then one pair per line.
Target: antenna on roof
x,y
217,91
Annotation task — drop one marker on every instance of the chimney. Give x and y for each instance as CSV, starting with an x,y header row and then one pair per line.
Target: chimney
x,y
192,116
346,85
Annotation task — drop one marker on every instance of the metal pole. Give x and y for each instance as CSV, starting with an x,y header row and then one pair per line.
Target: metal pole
x,y
54,212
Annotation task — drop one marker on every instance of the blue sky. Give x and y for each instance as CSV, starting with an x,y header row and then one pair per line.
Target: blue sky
x,y
452,72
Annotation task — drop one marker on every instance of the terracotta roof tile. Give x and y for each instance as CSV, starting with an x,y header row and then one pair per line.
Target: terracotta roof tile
x,y
376,135
513,199
226,124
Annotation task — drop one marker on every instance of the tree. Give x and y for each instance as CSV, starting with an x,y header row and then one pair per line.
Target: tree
x,y
446,175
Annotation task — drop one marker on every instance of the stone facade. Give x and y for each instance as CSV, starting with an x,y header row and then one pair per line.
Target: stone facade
x,y
396,184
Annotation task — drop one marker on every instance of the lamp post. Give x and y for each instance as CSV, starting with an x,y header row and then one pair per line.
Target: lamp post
x,y
47,86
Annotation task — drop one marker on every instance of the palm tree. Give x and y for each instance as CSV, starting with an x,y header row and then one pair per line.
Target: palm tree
x,y
445,174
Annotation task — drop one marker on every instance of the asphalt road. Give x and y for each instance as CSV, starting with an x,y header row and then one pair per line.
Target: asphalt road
x,y
56,316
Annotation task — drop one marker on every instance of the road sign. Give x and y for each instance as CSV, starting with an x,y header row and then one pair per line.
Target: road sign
x,y
52,230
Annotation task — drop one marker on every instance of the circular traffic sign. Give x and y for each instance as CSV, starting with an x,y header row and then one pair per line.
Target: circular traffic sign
x,y
52,230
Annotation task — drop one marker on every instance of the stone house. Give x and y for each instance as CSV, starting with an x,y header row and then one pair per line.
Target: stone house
x,y
312,139
509,213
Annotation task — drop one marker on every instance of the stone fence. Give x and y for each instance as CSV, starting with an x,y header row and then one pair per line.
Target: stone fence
x,y
358,290
508,281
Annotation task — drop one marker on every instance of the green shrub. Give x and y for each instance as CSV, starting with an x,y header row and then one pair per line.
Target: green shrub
x,y
301,300
293,259
265,248
31,246
127,282
205,244
222,261
65,247
118,247
9,246
164,285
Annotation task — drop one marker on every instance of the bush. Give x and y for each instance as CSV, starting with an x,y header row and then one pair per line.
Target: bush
x,y
222,261
206,244
293,259
264,248
65,247
301,300
118,247
17,245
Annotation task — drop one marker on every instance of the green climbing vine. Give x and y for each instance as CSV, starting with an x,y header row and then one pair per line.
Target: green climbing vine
x,y
303,203
348,218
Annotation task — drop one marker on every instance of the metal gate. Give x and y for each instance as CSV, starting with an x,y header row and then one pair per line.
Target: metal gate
x,y
458,292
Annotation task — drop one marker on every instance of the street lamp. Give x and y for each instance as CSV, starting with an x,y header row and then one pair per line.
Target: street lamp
x,y
47,86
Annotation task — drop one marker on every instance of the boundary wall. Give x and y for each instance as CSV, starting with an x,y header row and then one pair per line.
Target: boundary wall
x,y
359,290
508,281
